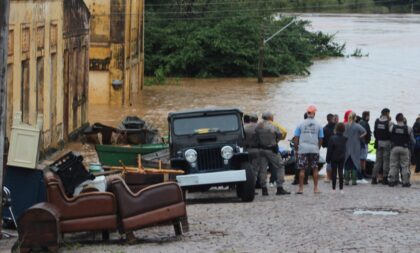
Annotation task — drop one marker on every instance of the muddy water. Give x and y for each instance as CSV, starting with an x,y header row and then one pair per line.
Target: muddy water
x,y
388,77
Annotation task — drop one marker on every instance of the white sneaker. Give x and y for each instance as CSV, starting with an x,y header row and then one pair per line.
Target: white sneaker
x,y
333,191
362,181
341,191
272,185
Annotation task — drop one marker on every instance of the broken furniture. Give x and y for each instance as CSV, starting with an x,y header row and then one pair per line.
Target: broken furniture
x,y
24,143
39,228
71,171
94,211
7,203
157,204
137,181
27,188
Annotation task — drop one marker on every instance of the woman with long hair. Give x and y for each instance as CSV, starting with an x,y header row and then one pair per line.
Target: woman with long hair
x,y
354,133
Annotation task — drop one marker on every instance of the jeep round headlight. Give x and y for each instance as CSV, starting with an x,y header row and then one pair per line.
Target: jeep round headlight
x,y
227,152
191,155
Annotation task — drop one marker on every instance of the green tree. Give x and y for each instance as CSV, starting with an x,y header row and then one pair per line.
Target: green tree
x,y
220,38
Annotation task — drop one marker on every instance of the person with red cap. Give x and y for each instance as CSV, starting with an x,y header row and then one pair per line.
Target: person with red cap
x,y
308,141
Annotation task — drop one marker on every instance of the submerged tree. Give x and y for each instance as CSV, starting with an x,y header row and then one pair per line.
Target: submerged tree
x,y
220,38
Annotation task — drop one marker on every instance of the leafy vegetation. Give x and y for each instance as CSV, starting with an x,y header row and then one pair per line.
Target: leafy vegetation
x,y
221,38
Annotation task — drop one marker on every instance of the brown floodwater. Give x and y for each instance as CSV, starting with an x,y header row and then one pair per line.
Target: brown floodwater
x,y
388,77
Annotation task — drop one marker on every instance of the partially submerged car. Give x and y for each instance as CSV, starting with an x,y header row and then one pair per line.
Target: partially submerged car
x,y
208,145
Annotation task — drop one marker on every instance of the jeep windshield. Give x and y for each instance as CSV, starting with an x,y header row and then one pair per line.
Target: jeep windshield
x,y
206,124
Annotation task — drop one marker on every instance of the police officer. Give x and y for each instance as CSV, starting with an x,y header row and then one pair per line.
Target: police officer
x,y
251,145
383,146
401,138
268,136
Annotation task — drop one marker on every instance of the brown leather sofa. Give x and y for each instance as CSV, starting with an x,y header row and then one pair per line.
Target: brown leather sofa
x,y
93,211
156,204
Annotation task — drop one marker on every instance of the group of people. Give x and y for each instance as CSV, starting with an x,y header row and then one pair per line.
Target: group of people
x,y
347,148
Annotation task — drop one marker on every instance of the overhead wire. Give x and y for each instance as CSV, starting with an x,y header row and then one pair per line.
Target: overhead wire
x,y
271,10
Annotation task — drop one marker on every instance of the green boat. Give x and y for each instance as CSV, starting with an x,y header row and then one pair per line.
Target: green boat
x,y
111,155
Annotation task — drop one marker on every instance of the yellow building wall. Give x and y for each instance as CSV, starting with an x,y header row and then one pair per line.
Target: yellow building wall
x,y
122,59
30,26
99,92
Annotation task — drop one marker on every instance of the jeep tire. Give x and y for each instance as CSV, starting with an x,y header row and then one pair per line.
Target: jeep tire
x,y
246,190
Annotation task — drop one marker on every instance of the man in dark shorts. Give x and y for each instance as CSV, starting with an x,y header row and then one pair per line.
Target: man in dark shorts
x,y
309,135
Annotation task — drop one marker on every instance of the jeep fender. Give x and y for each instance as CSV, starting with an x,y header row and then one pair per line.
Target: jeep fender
x,y
237,160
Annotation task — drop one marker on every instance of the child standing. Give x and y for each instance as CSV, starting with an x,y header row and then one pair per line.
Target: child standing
x,y
336,154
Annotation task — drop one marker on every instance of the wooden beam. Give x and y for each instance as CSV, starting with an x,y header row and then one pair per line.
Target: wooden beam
x,y
4,32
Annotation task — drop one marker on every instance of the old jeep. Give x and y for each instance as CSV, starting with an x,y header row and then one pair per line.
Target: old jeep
x,y
208,145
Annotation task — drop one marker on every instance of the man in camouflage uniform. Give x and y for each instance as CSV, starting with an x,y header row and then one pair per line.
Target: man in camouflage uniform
x,y
268,136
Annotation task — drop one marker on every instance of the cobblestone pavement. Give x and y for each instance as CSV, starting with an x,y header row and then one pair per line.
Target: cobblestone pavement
x,y
296,223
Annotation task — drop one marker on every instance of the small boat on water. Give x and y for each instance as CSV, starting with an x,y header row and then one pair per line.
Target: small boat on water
x,y
111,155
138,131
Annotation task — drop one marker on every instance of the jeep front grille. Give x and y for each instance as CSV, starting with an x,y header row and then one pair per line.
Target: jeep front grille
x,y
209,159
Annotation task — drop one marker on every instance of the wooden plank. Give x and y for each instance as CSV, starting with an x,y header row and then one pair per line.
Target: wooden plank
x,y
4,32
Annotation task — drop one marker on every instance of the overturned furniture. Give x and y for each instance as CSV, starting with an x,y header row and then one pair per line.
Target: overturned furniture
x,y
153,205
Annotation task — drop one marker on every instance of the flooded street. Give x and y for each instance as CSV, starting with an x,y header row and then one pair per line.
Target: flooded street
x,y
388,77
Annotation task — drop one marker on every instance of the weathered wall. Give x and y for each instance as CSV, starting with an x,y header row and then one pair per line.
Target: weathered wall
x,y
76,45
97,91
116,46
35,37
36,61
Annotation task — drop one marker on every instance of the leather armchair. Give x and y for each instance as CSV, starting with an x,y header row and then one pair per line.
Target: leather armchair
x,y
93,211
156,204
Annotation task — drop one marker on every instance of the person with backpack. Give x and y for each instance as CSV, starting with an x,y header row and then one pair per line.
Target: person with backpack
x,y
416,153
383,146
401,138
336,155
328,132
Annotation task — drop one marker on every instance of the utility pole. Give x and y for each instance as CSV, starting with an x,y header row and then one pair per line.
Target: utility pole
x,y
4,32
261,49
261,56
412,6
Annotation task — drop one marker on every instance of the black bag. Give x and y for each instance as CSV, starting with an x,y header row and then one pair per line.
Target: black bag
x,y
71,171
